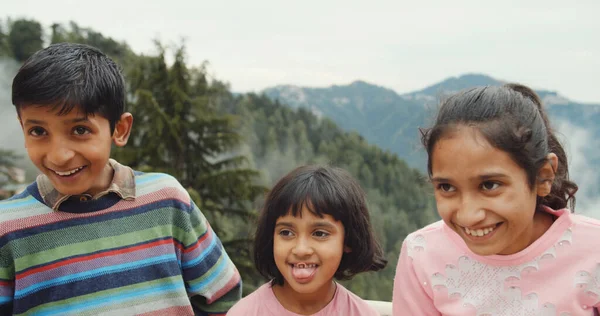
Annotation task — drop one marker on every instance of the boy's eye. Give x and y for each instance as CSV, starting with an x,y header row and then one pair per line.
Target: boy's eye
x,y
446,187
490,185
81,130
37,131
320,234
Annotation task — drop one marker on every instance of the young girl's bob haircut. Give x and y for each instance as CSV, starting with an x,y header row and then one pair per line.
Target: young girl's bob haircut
x,y
322,190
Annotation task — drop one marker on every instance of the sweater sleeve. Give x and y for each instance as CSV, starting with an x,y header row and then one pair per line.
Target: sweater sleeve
x,y
409,296
6,292
212,280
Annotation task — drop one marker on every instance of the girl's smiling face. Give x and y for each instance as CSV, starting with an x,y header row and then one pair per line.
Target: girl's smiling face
x,y
483,195
308,250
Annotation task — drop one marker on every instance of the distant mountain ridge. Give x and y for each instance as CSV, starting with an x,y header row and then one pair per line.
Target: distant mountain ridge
x,y
392,121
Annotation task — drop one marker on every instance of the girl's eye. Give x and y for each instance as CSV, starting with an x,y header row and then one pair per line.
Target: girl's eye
x,y
490,185
285,233
321,234
37,131
446,187
80,130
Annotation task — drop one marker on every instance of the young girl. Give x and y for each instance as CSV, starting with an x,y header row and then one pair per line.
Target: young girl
x,y
507,245
314,226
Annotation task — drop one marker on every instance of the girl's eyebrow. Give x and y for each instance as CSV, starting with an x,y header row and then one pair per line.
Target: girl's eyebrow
x,y
323,224
284,224
488,176
316,224
482,177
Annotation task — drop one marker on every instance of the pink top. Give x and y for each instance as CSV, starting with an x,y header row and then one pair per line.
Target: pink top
x,y
263,302
558,275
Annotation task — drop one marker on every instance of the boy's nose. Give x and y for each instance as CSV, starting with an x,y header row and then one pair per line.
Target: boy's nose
x,y
60,155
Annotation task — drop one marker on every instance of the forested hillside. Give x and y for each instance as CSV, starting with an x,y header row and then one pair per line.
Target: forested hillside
x,y
228,149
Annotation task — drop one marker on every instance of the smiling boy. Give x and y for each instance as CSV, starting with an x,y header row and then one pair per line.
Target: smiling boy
x,y
91,236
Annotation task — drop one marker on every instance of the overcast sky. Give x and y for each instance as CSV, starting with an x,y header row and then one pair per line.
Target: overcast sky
x,y
401,45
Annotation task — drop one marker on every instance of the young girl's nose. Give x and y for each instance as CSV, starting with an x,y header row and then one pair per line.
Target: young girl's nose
x,y
302,248
469,217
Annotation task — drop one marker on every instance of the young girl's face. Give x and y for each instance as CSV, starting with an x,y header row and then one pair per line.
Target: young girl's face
x,y
307,251
482,194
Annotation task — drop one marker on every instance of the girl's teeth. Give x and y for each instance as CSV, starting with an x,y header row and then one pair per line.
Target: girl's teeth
x,y
479,232
305,266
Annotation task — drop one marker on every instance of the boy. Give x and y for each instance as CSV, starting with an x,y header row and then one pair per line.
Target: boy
x,y
91,236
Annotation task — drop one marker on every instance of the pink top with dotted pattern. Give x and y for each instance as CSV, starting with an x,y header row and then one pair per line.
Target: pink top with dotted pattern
x,y
558,274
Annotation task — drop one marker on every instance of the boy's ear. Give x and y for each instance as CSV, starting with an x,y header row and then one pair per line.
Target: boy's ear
x,y
347,249
123,129
546,175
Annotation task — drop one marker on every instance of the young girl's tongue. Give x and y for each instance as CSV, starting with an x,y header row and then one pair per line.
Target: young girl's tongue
x,y
302,271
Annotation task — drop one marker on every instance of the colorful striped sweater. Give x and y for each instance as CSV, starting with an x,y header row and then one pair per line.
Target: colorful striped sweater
x,y
154,255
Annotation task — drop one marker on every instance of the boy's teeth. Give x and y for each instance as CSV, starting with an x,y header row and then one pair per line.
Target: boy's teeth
x,y
67,173
479,232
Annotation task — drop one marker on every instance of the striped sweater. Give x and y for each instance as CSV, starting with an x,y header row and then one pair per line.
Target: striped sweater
x,y
154,255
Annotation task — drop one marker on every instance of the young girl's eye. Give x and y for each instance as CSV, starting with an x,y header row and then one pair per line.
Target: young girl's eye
x,y
37,131
81,130
446,187
490,185
321,234
285,233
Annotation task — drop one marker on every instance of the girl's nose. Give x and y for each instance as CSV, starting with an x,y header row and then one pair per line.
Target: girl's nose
x,y
302,248
470,217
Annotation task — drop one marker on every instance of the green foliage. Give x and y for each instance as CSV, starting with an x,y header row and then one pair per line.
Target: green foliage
x,y
25,38
227,149
178,131
76,34
4,46
399,198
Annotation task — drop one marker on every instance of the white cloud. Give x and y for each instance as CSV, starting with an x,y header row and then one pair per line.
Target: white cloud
x,y
576,142
406,46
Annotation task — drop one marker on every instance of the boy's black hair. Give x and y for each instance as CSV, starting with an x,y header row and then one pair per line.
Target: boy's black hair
x,y
322,190
512,119
65,76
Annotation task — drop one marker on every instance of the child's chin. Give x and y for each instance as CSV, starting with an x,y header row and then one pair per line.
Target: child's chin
x,y
68,190
483,251
302,288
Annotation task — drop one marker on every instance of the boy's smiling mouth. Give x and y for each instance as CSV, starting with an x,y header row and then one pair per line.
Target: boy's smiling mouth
x,y
68,172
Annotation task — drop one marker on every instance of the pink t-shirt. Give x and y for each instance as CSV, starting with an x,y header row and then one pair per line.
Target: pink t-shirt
x,y
558,274
263,302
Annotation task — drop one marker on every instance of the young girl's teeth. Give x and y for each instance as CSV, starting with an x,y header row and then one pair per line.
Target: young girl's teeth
x,y
479,232
305,266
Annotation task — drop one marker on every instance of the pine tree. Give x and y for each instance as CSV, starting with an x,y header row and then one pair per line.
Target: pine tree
x,y
178,130
25,38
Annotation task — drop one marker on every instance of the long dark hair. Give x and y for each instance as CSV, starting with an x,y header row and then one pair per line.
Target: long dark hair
x,y
512,119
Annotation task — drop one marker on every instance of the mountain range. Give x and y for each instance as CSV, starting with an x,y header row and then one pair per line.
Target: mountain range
x,y
392,121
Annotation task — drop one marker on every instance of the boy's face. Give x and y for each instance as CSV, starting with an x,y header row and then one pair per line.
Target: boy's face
x,y
71,149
